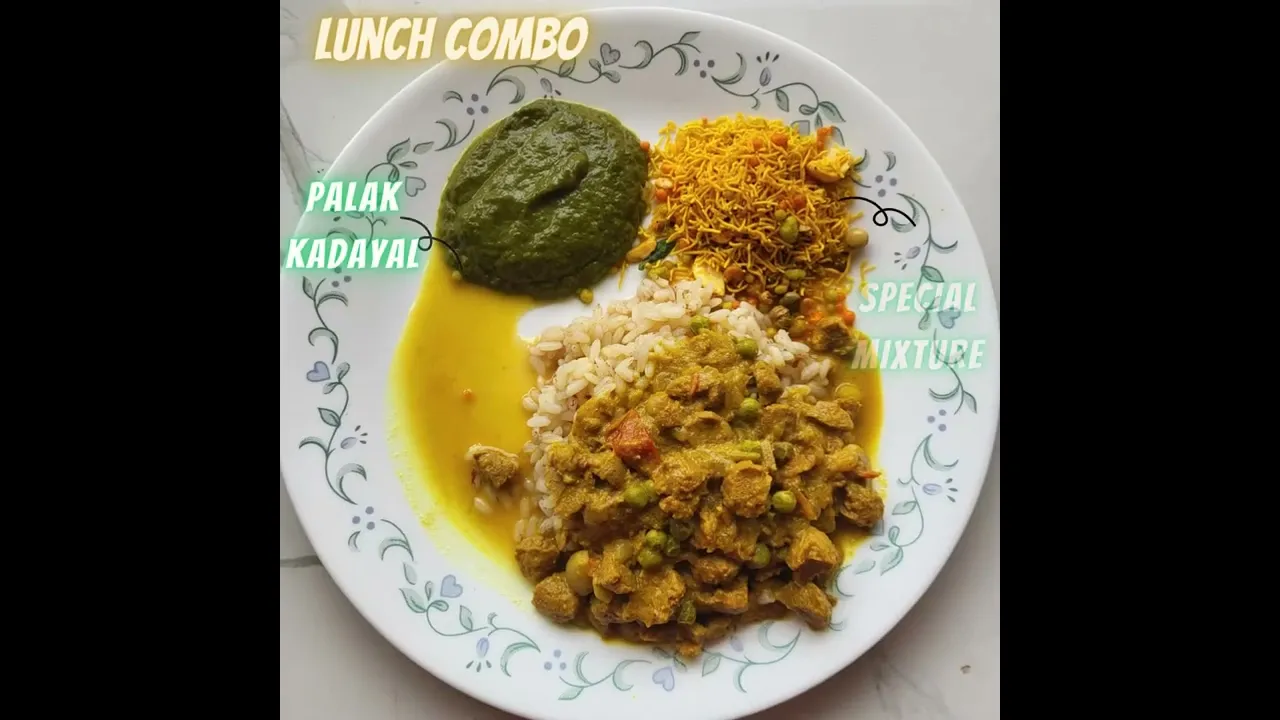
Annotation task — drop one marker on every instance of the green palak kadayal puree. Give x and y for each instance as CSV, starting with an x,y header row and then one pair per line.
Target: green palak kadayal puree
x,y
546,201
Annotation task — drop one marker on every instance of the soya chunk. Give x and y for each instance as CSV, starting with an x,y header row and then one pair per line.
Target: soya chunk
x,y
664,411
702,382
656,597
746,489
705,427
592,417
730,600
768,383
607,467
777,420
685,472
492,466
602,614
536,555
713,569
861,505
847,459
830,414
719,530
811,554
613,573
808,601
553,597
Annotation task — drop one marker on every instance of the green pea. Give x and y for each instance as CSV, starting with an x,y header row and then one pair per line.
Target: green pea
x,y
638,495
746,347
699,323
680,529
780,289
784,501
782,451
794,274
791,300
831,294
749,410
789,230
655,539
586,296
649,558
780,215
761,556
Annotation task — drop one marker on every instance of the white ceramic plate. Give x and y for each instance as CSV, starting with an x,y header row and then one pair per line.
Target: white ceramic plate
x,y
457,616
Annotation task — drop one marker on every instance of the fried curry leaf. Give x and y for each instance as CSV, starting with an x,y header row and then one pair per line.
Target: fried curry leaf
x,y
660,252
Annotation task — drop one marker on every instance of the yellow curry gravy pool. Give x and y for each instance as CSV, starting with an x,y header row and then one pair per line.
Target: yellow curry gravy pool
x,y
461,337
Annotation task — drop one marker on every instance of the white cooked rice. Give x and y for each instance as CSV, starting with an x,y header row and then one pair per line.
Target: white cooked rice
x,y
613,347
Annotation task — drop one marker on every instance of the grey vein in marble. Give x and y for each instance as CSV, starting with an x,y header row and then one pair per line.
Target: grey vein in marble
x,y
299,162
300,562
294,155
901,696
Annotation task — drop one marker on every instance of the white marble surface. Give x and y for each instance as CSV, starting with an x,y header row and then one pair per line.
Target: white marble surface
x,y
937,65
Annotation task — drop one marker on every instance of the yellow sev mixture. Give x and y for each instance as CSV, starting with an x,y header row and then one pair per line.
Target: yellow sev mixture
x,y
752,204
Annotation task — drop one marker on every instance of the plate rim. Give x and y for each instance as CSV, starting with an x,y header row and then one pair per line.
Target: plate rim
x,y
805,681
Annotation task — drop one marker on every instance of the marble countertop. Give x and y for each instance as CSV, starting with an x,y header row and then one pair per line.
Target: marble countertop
x,y
936,63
